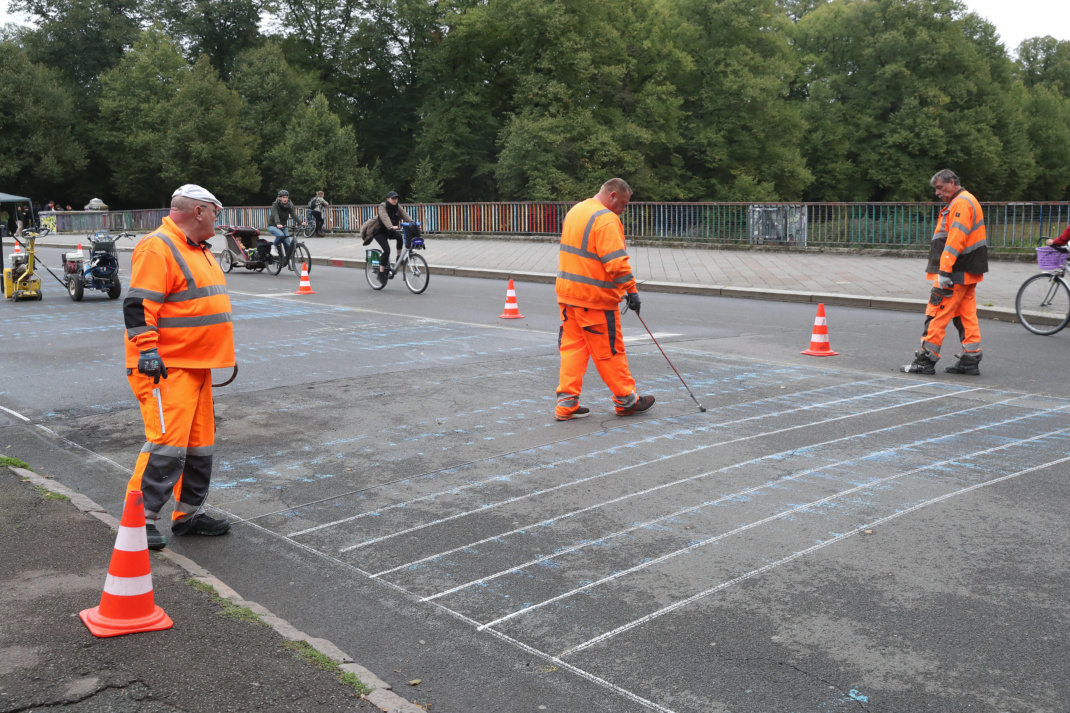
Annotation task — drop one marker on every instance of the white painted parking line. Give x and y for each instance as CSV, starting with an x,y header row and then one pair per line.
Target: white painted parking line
x,y
692,508
15,414
488,506
838,538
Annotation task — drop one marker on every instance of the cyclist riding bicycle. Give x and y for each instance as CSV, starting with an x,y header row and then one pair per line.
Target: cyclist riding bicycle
x,y
390,217
281,211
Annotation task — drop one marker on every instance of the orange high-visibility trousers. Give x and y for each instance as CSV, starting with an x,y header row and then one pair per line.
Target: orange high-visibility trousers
x,y
957,305
179,440
585,334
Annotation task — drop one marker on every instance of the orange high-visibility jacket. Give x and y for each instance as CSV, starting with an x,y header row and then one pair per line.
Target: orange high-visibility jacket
x,y
593,270
178,303
959,249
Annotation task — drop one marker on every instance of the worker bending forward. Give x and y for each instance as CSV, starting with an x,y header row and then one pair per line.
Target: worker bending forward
x,y
958,259
593,275
178,328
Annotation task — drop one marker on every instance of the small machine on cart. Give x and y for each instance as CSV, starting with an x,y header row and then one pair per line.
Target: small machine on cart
x,y
100,272
20,278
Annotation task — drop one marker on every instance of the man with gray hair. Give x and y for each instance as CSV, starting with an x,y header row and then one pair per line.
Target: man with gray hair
x,y
178,328
958,259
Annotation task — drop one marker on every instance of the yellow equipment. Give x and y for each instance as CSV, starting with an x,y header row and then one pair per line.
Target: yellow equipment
x,y
20,280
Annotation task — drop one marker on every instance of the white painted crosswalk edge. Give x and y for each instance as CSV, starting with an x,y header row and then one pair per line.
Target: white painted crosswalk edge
x,y
131,539
128,586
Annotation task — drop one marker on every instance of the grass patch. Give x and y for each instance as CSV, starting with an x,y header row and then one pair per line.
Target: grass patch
x,y
17,462
47,494
229,608
306,652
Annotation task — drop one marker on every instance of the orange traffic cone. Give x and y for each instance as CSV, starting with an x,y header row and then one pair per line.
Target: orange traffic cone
x,y
305,288
512,310
819,342
18,250
127,605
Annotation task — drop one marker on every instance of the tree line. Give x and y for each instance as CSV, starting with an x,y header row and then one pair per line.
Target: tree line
x,y
483,100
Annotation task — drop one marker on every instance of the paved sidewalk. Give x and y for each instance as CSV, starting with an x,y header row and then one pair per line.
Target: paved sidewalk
x,y
834,278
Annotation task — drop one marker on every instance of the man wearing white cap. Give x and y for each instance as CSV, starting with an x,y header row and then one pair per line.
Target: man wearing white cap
x,y
178,328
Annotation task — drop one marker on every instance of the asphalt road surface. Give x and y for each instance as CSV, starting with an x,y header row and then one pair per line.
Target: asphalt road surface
x,y
830,536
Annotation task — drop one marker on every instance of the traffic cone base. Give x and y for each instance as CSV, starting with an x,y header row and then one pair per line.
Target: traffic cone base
x,y
305,288
512,309
819,341
127,605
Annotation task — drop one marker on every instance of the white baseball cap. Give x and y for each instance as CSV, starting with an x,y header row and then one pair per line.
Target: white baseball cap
x,y
191,190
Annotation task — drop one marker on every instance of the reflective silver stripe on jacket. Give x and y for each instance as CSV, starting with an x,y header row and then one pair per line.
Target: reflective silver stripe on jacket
x,y
976,246
623,279
134,331
614,255
939,235
196,293
200,321
186,272
140,293
578,251
590,224
586,280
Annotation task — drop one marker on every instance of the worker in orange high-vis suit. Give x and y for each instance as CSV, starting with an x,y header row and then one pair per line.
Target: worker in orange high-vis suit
x,y
178,328
958,260
593,275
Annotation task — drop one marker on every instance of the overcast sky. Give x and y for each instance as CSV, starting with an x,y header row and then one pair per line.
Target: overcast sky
x,y
1015,20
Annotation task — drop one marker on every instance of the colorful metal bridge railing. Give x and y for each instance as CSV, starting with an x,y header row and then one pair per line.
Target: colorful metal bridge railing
x,y
827,224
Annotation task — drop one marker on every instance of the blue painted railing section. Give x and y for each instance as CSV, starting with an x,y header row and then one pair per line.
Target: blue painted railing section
x,y
828,224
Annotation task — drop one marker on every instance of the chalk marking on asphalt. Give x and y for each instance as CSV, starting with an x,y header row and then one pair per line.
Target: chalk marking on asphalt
x,y
534,493
631,424
648,439
665,485
543,466
771,518
692,508
797,555
15,413
457,615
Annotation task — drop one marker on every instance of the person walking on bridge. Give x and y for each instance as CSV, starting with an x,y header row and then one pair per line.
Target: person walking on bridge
x,y
593,275
178,328
958,260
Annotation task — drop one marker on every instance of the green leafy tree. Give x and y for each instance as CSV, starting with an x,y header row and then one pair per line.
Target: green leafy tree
x,y
166,123
593,98
742,130
273,92
426,186
1049,136
80,38
897,89
203,141
37,145
318,153
221,29
1045,60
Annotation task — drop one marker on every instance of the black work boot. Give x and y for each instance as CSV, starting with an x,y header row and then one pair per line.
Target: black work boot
x,y
643,403
967,364
156,539
924,363
200,525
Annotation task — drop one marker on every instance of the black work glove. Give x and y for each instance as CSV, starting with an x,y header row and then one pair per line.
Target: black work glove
x,y
633,301
150,364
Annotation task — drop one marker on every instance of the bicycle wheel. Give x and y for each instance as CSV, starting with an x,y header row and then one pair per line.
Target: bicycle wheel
x,y
372,273
301,255
1043,304
306,230
274,263
416,274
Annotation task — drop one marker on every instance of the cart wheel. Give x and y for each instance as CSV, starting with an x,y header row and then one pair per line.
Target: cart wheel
x,y
115,290
226,260
76,288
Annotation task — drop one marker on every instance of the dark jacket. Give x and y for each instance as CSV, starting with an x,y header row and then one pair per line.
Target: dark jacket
x,y
279,212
